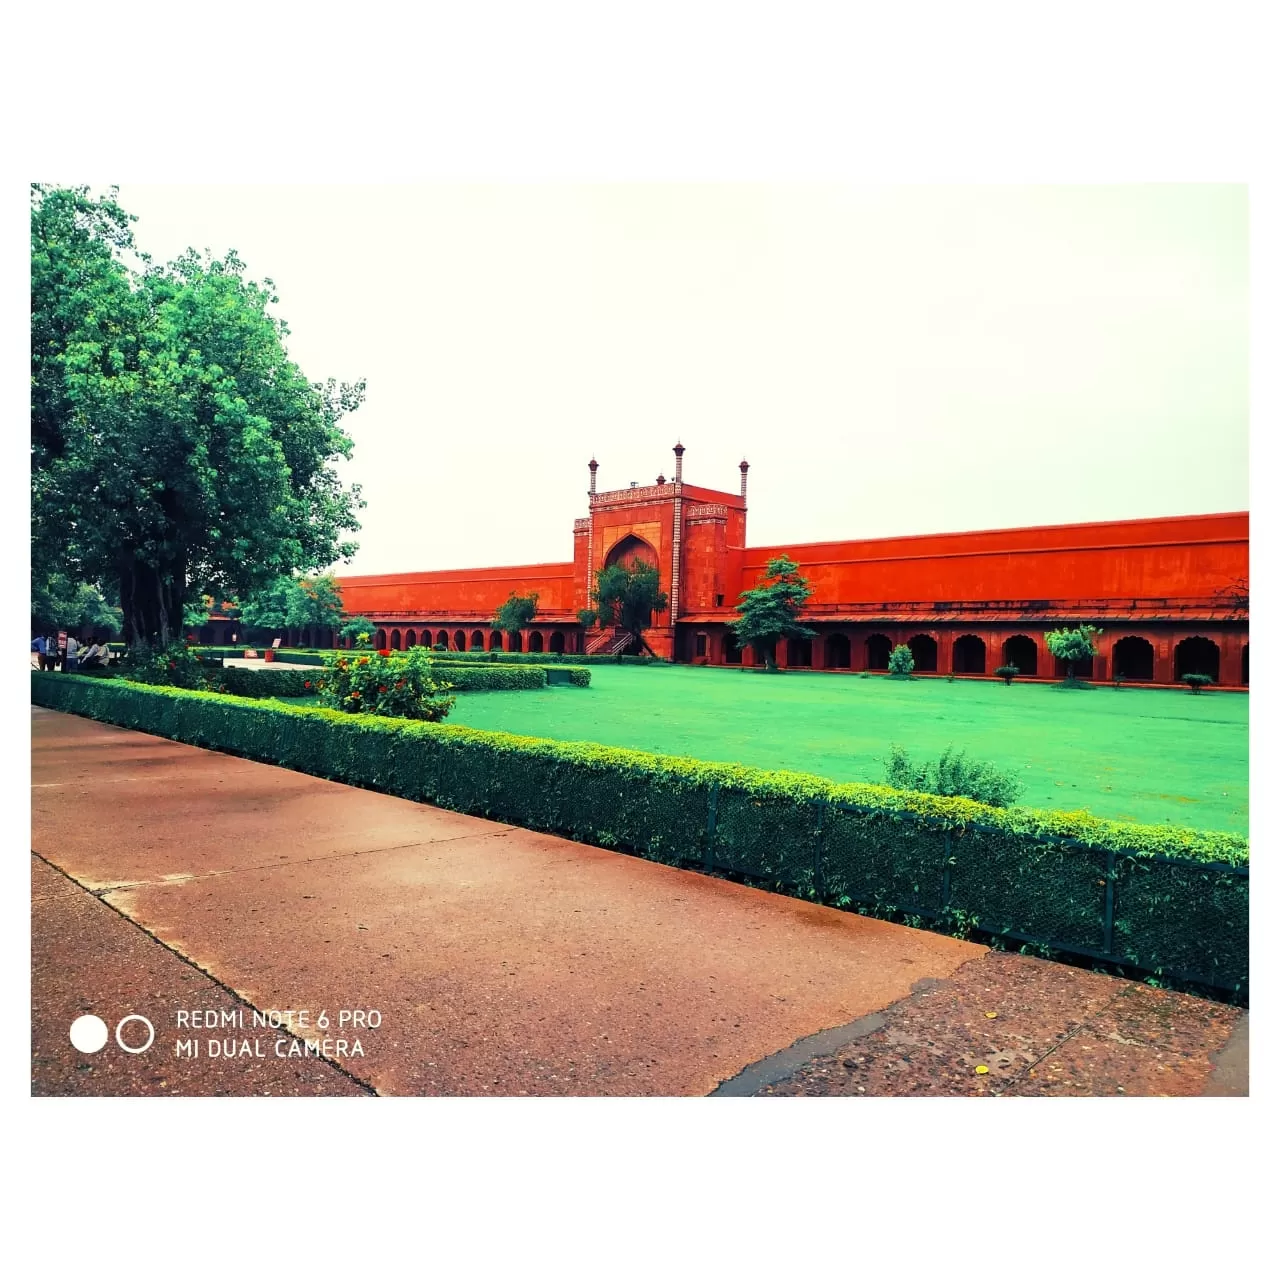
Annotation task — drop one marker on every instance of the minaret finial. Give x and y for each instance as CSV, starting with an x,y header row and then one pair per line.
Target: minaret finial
x,y
591,466
679,452
742,466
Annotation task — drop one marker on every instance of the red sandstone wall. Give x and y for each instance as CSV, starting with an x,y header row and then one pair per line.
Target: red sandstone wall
x,y
460,593
1178,556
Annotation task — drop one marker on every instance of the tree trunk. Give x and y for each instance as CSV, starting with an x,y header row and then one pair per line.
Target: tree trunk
x,y
151,600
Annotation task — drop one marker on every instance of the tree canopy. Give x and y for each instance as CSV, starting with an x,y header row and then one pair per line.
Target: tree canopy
x,y
517,612
1072,645
58,604
628,597
770,611
176,449
294,602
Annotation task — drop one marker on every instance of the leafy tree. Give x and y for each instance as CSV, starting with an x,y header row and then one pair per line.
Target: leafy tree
x,y
1196,681
1072,645
294,602
769,611
627,597
901,662
517,612
1007,672
59,604
359,631
175,449
588,618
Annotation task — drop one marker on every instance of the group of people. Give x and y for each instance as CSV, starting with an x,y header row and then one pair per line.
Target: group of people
x,y
51,655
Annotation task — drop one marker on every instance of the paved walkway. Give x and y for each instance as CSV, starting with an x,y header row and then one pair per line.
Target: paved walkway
x,y
209,894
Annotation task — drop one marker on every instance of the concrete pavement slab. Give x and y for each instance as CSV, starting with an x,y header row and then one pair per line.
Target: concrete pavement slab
x,y
87,959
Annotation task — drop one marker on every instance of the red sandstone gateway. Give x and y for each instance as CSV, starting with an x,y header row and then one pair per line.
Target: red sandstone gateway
x,y
1171,594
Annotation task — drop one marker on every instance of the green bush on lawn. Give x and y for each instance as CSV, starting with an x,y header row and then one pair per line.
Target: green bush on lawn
x,y
1176,899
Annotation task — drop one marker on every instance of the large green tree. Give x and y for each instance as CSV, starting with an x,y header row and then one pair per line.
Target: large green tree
x,y
294,602
627,596
59,604
770,610
176,449
1072,645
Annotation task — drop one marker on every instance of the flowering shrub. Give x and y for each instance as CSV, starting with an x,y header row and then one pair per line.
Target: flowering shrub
x,y
179,665
384,684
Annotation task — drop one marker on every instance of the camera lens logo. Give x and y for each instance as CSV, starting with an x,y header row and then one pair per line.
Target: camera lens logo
x,y
89,1033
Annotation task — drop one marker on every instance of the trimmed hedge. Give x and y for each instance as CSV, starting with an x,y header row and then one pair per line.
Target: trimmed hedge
x,y
1162,899
472,677
546,659
267,682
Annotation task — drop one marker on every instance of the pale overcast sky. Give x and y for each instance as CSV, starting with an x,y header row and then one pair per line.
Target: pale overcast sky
x,y
891,360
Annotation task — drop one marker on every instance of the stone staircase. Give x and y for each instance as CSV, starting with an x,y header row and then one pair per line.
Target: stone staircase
x,y
608,643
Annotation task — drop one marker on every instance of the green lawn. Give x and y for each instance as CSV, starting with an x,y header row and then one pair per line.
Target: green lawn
x,y
1149,755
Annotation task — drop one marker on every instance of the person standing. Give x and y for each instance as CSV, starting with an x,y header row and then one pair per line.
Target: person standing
x,y
37,649
73,649
51,653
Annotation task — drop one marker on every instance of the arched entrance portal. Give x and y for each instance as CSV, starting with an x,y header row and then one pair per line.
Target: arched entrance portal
x,y
630,548
1195,656
557,642
477,639
924,651
838,652
878,649
535,641
495,640
1133,658
1021,652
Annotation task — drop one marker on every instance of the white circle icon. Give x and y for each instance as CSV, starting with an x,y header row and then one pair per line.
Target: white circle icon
x,y
88,1033
146,1022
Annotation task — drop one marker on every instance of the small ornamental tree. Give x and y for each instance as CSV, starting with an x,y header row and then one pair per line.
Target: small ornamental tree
x,y
901,663
384,683
359,631
628,597
771,610
1196,681
1007,672
517,612
1072,645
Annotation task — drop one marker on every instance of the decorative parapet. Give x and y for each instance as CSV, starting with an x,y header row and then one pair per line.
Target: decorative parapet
x,y
641,493
707,511
582,526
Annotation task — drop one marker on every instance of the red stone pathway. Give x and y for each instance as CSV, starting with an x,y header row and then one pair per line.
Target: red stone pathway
x,y
502,961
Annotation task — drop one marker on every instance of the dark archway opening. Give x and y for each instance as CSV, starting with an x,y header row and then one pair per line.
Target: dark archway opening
x,y
442,639
460,641
515,642
1021,652
838,653
878,650
477,639
1133,658
556,644
732,650
410,638
395,640
800,652
380,639
924,651
969,657
495,640
1244,665
1196,656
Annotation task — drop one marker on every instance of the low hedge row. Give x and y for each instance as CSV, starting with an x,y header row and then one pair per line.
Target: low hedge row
x,y
1161,899
267,682
465,677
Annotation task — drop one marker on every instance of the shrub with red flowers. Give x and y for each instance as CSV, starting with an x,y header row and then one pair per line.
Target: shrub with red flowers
x,y
178,665
384,683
